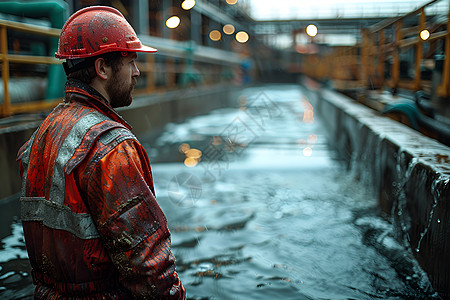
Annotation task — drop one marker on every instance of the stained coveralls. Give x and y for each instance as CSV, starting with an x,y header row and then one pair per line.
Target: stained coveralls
x,y
92,226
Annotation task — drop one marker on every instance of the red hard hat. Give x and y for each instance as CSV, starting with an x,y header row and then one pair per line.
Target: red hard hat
x,y
96,30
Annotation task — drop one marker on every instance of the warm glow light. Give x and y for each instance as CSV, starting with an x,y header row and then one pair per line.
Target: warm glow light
x,y
308,115
190,162
193,153
228,29
184,148
242,36
188,4
307,151
232,2
311,30
215,35
424,34
173,22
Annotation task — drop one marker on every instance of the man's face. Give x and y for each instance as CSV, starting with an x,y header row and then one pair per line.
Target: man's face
x,y
121,84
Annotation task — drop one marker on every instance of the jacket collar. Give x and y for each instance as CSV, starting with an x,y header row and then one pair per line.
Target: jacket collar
x,y
79,91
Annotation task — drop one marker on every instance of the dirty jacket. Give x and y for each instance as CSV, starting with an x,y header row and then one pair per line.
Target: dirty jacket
x,y
92,226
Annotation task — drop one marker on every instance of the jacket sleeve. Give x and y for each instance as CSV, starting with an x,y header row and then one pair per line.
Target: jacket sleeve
x,y
19,157
131,223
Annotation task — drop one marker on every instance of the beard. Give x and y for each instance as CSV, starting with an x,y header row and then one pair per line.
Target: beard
x,y
119,92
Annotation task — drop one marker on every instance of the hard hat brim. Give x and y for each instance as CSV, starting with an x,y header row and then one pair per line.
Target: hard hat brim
x,y
142,49
146,49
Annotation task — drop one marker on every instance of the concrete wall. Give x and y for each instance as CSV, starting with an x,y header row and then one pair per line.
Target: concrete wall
x,y
409,174
148,114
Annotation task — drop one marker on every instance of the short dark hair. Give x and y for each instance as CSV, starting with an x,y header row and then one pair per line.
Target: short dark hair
x,y
87,74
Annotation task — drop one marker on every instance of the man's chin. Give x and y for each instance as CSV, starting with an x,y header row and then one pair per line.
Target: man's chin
x,y
120,98
122,103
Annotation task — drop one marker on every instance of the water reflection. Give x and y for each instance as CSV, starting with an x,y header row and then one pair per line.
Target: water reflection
x,y
15,279
271,223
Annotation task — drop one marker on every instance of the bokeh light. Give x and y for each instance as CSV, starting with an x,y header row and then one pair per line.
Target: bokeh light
x,y
307,151
242,37
311,30
194,153
190,162
173,22
228,29
184,148
308,115
215,35
188,4
424,34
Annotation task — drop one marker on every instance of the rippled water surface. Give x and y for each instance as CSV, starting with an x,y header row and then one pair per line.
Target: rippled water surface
x,y
259,208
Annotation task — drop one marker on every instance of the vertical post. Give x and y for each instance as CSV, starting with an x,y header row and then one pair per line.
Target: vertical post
x,y
371,59
445,87
365,57
381,57
419,52
140,16
396,55
5,72
166,6
196,26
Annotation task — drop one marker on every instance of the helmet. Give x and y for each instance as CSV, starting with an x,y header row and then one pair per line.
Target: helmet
x,y
95,30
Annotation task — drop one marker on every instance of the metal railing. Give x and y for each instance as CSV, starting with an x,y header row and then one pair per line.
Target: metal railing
x,y
376,62
7,108
377,47
160,74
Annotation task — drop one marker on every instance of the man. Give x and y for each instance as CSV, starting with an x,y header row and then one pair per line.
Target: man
x,y
92,226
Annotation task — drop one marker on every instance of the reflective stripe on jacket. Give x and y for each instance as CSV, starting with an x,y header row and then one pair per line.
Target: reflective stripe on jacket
x,y
92,226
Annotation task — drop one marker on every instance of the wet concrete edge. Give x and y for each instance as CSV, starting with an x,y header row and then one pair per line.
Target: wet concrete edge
x,y
408,172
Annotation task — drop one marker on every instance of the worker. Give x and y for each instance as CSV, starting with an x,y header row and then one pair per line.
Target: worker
x,y
92,226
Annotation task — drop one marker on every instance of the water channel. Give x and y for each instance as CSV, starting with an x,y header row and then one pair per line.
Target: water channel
x,y
259,208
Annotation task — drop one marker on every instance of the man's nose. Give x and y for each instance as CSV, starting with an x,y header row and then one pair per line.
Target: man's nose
x,y
135,70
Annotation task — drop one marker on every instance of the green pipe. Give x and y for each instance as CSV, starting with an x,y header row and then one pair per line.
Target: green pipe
x,y
57,11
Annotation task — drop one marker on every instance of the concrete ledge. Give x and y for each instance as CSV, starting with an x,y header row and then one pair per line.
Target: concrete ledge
x,y
148,114
409,174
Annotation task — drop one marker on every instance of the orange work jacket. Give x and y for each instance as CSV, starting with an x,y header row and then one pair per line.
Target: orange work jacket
x,y
92,226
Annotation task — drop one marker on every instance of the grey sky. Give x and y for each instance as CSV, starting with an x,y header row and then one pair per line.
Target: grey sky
x,y
317,9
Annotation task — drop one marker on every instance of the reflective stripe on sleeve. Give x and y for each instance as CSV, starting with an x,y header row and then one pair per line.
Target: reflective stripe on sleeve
x,y
25,162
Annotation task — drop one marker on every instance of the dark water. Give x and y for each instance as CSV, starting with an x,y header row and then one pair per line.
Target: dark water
x,y
263,211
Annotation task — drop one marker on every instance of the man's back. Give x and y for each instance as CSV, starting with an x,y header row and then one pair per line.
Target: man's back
x,y
91,222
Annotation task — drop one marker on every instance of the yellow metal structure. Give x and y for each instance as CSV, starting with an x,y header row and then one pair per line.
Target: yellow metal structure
x,y
375,50
364,66
7,108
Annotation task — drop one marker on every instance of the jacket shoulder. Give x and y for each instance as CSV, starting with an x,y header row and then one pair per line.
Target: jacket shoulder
x,y
102,131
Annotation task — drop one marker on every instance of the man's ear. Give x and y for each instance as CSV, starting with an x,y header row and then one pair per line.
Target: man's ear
x,y
102,70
